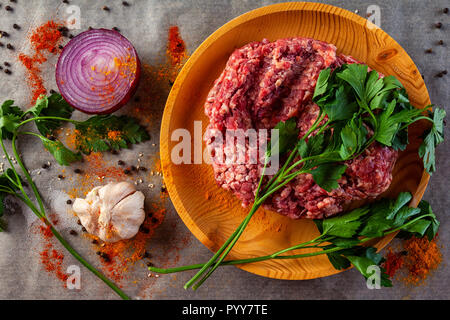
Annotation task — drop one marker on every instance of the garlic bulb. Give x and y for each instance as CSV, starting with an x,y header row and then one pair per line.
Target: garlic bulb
x,y
112,212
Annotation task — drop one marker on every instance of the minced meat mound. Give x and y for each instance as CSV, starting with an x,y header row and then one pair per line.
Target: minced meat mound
x,y
264,83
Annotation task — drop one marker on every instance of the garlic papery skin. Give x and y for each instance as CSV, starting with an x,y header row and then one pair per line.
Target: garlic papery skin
x,y
112,212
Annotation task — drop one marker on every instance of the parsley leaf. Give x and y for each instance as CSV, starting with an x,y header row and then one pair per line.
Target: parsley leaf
x,y
10,116
52,106
62,155
108,132
434,137
344,226
6,188
327,175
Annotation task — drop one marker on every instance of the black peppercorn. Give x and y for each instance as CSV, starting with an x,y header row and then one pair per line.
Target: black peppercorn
x,y
69,201
83,229
126,4
52,91
78,171
149,264
445,10
147,255
143,169
105,8
120,163
78,222
133,168
7,71
16,26
8,8
66,1
94,241
105,257
7,64
144,229
154,220
126,171
1,44
116,29
73,232
438,25
45,166
10,46
429,50
61,177
441,42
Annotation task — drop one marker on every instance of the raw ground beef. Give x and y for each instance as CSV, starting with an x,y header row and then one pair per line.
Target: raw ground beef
x,y
267,82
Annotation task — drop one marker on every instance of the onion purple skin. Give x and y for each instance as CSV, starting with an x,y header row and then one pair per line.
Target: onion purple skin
x,y
131,91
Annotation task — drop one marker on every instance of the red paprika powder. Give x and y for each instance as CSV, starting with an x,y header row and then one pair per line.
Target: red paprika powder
x,y
44,39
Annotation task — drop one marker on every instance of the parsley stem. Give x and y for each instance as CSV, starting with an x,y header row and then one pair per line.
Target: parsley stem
x,y
41,213
46,118
228,245
77,256
414,120
27,175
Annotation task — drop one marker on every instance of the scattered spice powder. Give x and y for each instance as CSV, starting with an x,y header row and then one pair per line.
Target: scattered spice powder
x,y
44,39
96,171
123,254
418,259
51,259
423,257
176,49
394,261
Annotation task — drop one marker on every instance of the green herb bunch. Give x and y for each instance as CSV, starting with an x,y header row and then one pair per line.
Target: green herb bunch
x,y
48,114
357,109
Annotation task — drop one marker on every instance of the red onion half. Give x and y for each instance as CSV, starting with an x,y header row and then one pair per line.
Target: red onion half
x,y
98,71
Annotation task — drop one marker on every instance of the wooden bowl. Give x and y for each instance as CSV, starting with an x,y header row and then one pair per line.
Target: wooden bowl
x,y
212,213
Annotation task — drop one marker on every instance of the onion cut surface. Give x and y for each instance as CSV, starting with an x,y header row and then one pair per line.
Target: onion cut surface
x,y
98,71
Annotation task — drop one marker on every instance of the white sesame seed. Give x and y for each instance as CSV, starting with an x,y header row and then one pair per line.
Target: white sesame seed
x,y
140,180
135,182
139,160
157,276
356,11
153,144
141,154
38,173
151,185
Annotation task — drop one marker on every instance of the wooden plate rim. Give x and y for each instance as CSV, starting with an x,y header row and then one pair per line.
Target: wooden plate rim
x,y
170,103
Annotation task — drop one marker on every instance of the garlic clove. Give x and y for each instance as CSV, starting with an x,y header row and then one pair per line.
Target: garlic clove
x,y
113,193
128,215
84,212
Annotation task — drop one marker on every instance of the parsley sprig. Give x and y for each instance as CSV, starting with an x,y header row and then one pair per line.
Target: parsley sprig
x,y
356,109
344,238
48,114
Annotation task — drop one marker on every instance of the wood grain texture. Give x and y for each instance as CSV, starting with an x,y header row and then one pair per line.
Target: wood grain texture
x,y
210,212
